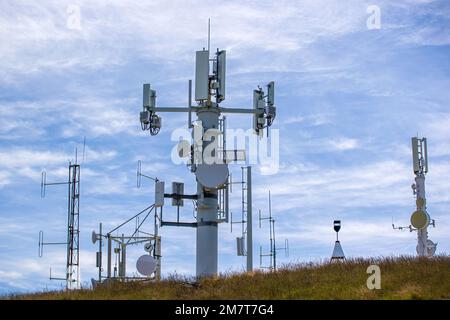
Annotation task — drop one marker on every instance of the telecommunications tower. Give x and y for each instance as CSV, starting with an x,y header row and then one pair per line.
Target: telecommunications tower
x,y
420,219
72,275
206,158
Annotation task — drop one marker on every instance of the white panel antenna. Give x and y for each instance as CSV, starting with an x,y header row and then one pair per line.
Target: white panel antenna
x,y
221,70
202,75
159,194
177,189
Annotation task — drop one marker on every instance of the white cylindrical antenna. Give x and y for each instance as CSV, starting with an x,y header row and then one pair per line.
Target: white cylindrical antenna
x,y
190,104
209,34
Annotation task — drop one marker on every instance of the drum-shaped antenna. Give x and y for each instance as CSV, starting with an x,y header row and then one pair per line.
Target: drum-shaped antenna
x,y
94,237
420,219
212,175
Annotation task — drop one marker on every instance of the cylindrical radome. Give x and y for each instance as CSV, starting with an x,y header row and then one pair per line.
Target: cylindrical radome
x,y
207,210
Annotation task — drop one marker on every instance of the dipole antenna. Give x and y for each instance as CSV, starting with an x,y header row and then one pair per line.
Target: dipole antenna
x,y
272,254
209,34
72,274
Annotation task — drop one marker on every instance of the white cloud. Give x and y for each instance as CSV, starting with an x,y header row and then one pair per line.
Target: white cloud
x,y
344,144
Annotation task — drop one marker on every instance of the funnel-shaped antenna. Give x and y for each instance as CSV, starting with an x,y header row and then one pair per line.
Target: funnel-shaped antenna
x,y
338,253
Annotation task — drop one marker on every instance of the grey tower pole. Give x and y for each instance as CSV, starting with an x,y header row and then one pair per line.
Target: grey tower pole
x,y
249,221
207,210
422,234
100,242
109,256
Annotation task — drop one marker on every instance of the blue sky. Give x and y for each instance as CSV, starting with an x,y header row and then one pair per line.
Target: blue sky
x,y
349,99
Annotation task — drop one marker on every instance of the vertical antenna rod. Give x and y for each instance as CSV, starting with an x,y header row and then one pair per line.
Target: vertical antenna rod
x,y
209,34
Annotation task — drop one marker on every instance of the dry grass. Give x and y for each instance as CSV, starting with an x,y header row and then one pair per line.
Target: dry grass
x,y
401,278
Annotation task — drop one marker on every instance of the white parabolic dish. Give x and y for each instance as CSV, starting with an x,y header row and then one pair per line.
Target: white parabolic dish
x,y
146,265
212,175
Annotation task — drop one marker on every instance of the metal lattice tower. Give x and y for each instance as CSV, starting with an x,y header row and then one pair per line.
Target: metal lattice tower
x,y
73,228
72,275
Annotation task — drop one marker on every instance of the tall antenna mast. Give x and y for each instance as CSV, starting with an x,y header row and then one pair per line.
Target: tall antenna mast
x,y
211,170
420,219
72,277
273,247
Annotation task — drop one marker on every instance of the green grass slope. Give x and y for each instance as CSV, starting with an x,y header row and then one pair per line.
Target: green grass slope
x,y
401,278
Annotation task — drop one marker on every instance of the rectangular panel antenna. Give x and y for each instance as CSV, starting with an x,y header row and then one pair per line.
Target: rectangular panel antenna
x,y
415,154
240,246
425,155
146,97
177,188
149,97
201,75
258,104
221,69
159,193
271,93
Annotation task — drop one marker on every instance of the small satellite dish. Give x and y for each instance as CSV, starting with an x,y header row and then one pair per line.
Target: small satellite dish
x,y
420,219
146,265
184,149
94,237
212,175
148,247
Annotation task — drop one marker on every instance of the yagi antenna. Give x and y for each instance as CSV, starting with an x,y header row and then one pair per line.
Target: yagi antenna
x,y
139,174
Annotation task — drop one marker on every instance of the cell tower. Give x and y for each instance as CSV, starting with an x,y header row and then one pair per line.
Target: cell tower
x,y
273,248
338,253
72,277
420,219
206,160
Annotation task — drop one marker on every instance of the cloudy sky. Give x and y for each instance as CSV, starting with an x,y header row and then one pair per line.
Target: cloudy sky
x,y
349,98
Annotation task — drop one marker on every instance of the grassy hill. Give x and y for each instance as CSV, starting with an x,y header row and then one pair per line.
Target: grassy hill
x,y
401,278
